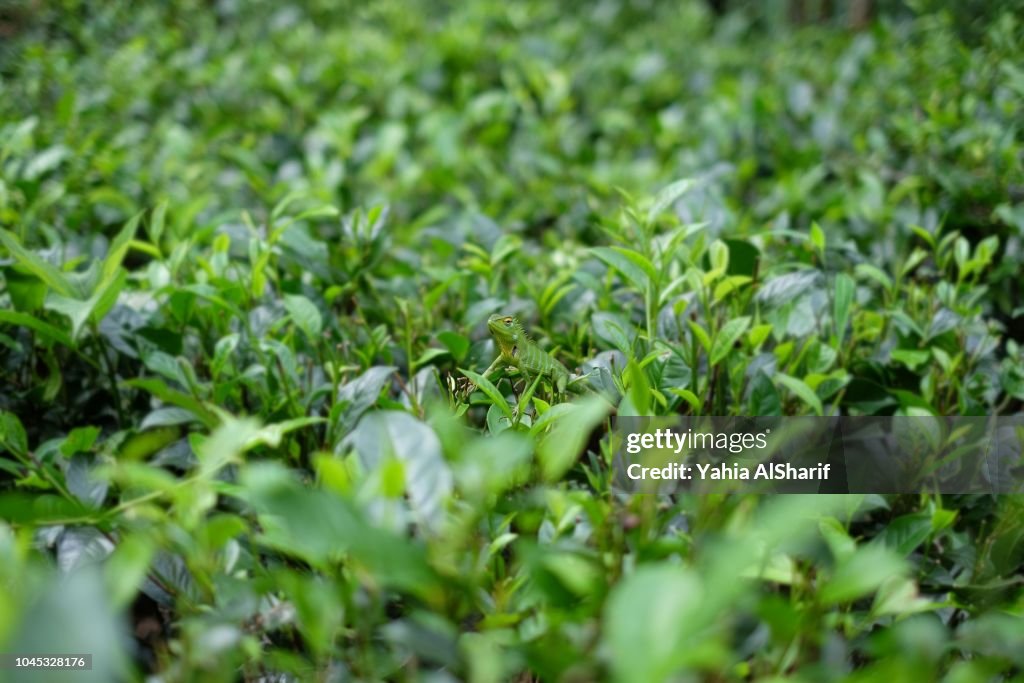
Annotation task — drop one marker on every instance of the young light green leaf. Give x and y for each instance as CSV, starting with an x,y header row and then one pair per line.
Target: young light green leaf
x,y
490,390
127,566
818,238
559,448
728,335
667,197
861,573
157,221
718,254
688,396
866,270
305,315
271,434
52,276
639,260
118,249
634,274
649,619
841,303
701,334
801,390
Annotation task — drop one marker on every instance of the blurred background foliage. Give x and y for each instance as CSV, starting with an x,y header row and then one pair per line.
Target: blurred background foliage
x,y
247,246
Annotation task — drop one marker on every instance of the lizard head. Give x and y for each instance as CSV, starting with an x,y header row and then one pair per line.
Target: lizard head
x,y
506,330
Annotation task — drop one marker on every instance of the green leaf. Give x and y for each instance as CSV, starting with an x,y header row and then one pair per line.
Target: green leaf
x,y
164,365
75,310
924,235
639,260
157,222
726,337
837,538
866,270
429,355
388,434
912,358
842,301
305,315
994,634
764,398
490,390
491,465
667,197
611,329
456,344
861,573
53,277
942,519
639,388
904,534
127,567
559,449
118,249
729,285
272,434
818,238
176,398
320,526
167,417
899,596
650,620
688,396
72,612
718,255
79,311
634,274
12,434
552,295
574,572
743,257
355,398
701,334
46,330
231,438
27,292
801,390
758,334
106,296
961,252
784,289
78,440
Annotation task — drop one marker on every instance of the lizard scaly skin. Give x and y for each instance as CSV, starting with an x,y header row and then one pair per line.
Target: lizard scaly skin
x,y
515,349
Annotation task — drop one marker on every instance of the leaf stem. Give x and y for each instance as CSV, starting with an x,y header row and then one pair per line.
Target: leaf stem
x,y
111,371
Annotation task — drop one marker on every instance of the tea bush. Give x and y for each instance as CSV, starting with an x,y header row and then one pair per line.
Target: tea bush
x,y
247,253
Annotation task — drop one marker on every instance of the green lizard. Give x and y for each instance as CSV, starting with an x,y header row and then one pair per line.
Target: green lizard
x,y
515,349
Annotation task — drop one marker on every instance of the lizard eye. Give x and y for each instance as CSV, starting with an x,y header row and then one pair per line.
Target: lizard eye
x,y
508,322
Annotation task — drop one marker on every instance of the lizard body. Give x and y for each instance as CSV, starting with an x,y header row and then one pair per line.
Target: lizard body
x,y
516,349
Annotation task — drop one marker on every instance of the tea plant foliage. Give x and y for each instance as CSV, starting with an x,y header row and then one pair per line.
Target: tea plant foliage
x,y
247,251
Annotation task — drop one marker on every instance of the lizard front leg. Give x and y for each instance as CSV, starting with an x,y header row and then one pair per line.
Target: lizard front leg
x,y
493,366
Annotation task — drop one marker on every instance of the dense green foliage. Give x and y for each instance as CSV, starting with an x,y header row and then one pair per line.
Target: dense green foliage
x,y
247,254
